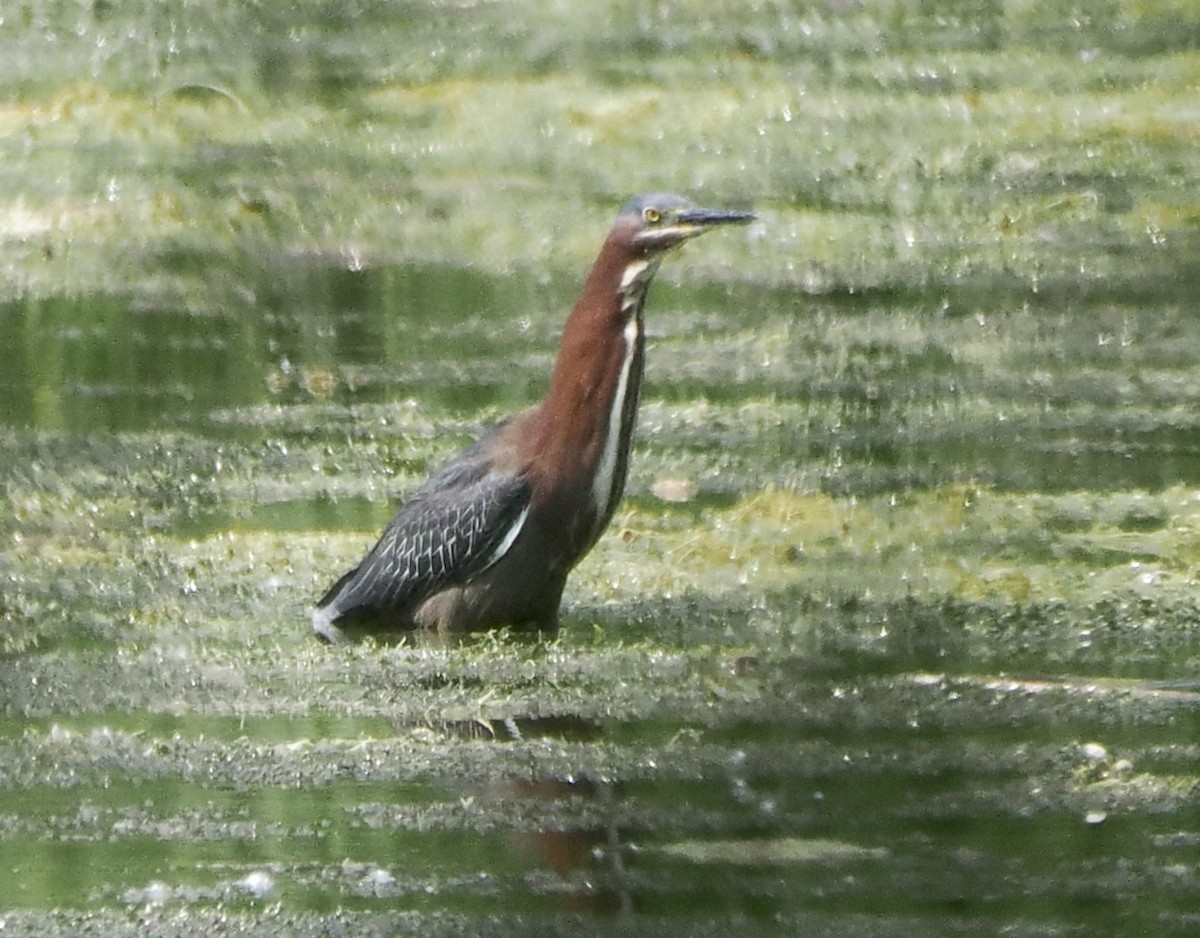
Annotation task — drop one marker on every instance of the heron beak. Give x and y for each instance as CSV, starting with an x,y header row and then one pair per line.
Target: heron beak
x,y
695,221
687,223
705,218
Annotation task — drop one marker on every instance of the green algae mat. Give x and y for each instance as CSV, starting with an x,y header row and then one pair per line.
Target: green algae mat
x,y
897,630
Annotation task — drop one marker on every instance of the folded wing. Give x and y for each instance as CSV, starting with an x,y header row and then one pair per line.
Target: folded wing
x,y
458,524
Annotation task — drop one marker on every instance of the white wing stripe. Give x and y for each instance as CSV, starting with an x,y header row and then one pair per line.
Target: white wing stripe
x,y
511,536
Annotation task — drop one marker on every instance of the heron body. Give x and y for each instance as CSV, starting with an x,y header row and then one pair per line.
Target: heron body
x,y
490,538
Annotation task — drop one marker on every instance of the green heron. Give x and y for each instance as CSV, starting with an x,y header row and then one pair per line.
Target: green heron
x,y
489,539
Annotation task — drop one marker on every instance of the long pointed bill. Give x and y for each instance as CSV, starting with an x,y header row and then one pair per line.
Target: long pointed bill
x,y
711,217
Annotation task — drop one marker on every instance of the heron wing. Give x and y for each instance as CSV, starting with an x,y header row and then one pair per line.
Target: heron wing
x,y
457,525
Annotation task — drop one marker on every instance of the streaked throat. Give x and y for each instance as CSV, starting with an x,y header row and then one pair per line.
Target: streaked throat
x,y
609,480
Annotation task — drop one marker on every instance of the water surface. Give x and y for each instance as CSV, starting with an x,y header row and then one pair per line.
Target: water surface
x,y
918,653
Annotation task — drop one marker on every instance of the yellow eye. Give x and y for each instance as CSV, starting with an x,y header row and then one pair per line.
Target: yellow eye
x,y
652,215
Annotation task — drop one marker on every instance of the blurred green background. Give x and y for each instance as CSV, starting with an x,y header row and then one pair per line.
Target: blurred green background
x,y
916,653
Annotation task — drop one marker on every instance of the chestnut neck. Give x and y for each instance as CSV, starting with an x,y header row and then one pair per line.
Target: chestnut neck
x,y
594,388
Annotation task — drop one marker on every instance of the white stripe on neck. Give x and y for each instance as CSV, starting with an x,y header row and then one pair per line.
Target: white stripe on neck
x,y
602,487
634,281
634,271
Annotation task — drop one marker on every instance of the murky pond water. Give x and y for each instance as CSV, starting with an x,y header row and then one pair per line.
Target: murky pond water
x,y
912,645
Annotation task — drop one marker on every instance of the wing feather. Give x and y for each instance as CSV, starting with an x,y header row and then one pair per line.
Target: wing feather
x,y
454,527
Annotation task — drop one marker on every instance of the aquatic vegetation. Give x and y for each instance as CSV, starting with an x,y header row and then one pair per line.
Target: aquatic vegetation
x,y
915,628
